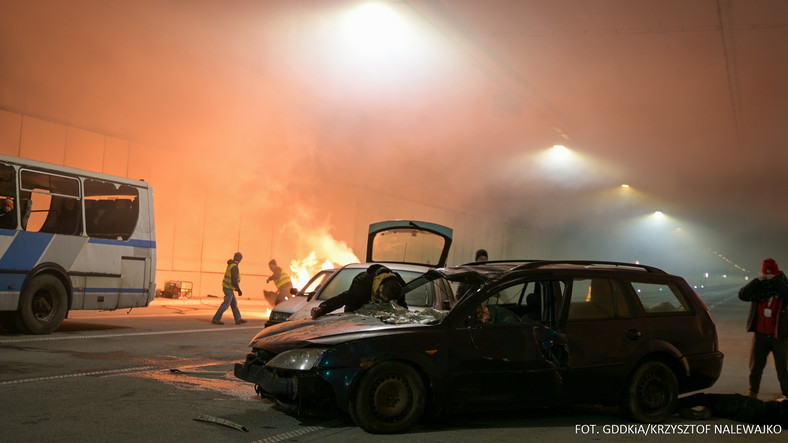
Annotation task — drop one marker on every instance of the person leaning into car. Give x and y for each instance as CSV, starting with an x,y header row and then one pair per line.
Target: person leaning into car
x,y
768,319
377,284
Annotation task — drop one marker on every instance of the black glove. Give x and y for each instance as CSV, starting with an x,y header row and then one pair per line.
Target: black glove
x,y
240,293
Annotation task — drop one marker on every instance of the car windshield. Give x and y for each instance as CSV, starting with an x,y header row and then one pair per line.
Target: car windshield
x,y
316,281
339,283
419,296
424,285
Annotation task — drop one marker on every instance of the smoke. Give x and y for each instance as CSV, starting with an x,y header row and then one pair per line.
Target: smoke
x,y
260,119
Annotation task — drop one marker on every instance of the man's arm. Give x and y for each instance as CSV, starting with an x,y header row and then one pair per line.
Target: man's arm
x,y
357,295
780,284
234,279
331,305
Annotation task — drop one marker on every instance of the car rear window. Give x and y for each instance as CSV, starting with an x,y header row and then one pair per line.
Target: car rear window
x,y
659,298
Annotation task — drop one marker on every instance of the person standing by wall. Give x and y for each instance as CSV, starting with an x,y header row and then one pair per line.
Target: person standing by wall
x,y
768,320
232,278
282,282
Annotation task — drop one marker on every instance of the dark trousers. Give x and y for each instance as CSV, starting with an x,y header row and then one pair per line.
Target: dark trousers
x,y
762,345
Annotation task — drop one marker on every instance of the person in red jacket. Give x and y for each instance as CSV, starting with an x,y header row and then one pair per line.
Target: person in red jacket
x,y
768,320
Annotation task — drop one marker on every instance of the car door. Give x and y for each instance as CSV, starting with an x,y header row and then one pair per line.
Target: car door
x,y
503,363
602,334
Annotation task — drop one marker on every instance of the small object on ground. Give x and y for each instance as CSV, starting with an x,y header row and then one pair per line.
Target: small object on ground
x,y
221,421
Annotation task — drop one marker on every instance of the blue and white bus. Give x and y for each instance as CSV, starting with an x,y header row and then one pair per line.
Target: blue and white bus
x,y
71,240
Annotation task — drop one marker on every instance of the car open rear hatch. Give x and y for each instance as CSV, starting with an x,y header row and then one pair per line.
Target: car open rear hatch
x,y
410,242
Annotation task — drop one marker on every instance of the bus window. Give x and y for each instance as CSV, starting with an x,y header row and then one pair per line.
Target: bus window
x,y
50,203
8,207
111,209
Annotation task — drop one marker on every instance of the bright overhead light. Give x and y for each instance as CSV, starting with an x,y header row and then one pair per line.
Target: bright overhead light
x,y
374,29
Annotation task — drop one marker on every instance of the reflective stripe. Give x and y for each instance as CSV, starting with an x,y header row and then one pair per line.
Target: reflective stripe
x,y
131,242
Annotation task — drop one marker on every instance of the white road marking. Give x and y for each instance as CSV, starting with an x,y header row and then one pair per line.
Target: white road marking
x,y
129,334
80,374
297,433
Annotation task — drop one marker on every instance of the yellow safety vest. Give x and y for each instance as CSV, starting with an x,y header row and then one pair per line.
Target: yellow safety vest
x,y
283,280
227,283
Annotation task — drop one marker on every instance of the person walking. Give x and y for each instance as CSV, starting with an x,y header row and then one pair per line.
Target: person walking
x,y
768,320
232,278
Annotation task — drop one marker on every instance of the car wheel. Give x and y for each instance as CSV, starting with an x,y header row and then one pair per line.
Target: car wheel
x,y
42,305
651,394
389,400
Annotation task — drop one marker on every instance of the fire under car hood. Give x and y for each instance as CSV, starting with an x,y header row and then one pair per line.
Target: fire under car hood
x,y
326,330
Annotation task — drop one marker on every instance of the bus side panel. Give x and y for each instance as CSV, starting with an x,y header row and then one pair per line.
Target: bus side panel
x,y
133,291
100,293
146,230
9,298
114,272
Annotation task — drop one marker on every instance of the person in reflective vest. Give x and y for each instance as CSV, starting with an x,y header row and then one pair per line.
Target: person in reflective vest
x,y
232,279
282,282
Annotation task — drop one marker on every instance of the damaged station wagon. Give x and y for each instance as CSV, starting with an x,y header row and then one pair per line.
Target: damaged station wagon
x,y
523,334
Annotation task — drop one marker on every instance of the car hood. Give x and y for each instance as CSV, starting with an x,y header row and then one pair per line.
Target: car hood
x,y
330,330
291,305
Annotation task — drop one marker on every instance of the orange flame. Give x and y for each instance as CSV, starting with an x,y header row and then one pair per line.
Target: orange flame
x,y
302,270
327,253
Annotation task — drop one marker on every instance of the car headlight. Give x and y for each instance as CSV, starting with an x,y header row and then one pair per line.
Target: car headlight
x,y
278,316
296,359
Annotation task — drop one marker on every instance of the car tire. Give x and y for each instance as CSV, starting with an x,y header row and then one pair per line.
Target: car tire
x,y
389,400
43,304
651,394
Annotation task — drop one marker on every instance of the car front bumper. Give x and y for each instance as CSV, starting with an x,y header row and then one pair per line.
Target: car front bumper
x,y
289,385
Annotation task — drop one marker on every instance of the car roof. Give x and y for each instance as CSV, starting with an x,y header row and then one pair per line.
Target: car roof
x,y
492,269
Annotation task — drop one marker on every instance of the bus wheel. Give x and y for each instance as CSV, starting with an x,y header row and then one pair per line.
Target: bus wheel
x,y
42,306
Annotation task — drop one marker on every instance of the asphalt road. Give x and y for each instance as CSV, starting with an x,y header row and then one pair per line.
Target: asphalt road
x,y
164,373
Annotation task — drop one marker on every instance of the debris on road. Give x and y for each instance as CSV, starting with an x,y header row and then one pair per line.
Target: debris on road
x,y
221,421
